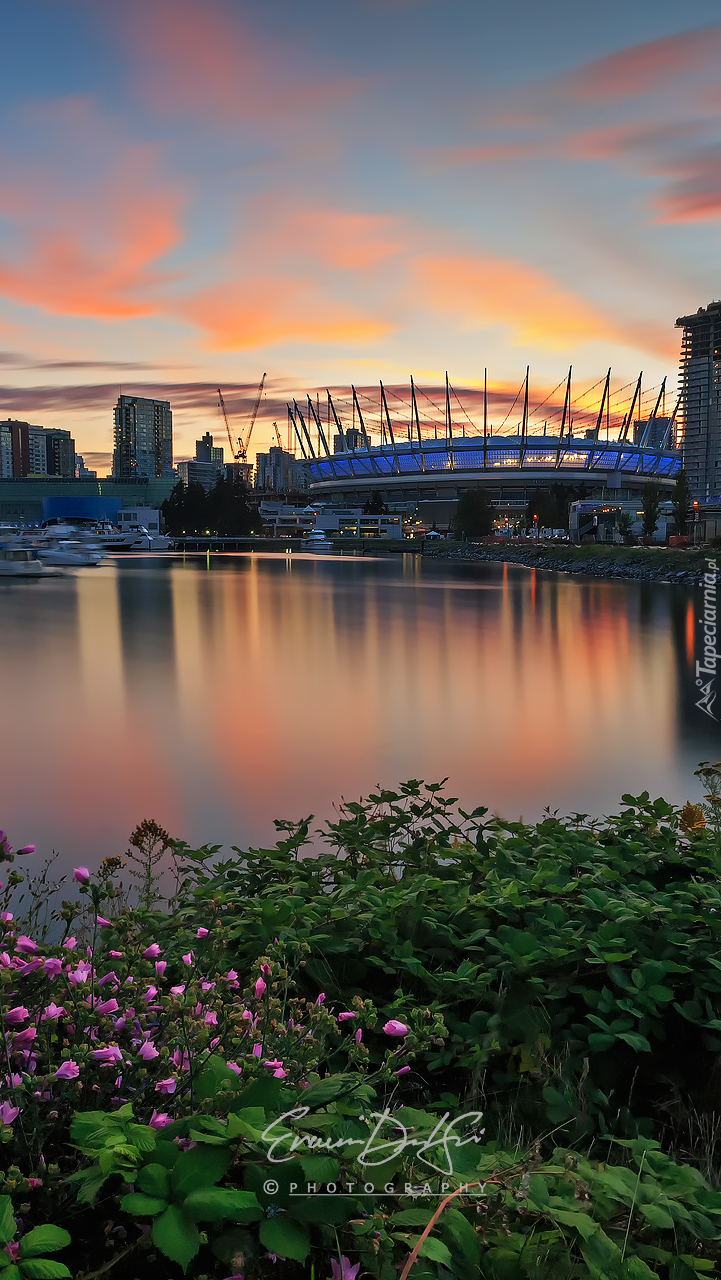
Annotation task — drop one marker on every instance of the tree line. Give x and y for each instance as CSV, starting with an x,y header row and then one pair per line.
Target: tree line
x,y
227,509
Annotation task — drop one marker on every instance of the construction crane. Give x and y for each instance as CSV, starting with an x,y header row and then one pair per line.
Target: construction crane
x,y
277,435
241,453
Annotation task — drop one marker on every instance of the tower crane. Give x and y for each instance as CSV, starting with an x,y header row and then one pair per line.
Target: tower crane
x,y
240,454
277,435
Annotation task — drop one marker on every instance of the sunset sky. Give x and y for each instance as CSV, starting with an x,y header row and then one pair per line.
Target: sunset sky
x,y
195,191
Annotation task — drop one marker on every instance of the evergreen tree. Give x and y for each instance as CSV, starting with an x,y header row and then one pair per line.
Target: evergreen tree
x,y
474,515
651,508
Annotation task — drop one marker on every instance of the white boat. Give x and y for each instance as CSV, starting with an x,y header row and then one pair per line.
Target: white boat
x,y
69,551
317,542
20,562
136,538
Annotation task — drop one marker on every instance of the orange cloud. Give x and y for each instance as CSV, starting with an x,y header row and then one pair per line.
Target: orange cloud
x,y
347,241
481,292
89,223
266,310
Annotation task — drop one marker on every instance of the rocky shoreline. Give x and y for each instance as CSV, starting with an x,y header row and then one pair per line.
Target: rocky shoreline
x,y
640,565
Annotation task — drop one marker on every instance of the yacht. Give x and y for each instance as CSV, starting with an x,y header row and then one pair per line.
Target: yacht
x,y
317,542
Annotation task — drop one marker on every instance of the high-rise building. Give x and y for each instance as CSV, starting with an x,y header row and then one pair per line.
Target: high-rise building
x,y
143,438
700,387
205,451
30,450
278,472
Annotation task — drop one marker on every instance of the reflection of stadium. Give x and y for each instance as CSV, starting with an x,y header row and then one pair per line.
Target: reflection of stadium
x,y
407,463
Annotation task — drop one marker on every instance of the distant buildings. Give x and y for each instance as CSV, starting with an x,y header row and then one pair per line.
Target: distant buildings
x,y
700,386
30,450
143,438
279,472
81,470
205,467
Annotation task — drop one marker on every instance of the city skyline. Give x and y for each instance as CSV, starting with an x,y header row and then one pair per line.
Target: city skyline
x,y
193,194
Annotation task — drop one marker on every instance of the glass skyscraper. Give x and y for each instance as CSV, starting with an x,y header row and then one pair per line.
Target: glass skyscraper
x,y
143,438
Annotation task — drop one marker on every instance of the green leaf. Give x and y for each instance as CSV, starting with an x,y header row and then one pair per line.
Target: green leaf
x,y
216,1204
91,1182
656,1216
13,1273
47,1239
320,1168
212,1077
167,1154
4,1259
636,1269
201,1167
286,1238
635,1041
7,1220
154,1179
264,1092
176,1237
436,1250
45,1269
411,1218
324,1091
142,1206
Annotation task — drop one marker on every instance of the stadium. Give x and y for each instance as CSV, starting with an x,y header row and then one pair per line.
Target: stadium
x,y
415,453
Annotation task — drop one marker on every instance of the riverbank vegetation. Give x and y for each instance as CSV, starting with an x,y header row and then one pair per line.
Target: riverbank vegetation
x,y
421,1042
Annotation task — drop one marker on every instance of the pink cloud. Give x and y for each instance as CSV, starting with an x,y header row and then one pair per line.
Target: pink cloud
x,y
205,61
644,68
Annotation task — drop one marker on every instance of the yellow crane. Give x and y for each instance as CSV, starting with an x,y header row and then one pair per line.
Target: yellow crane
x,y
241,453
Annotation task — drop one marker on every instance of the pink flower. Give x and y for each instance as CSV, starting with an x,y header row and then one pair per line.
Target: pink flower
x,y
109,1056
402,1071
30,967
52,1011
117,955
159,1119
358,1036
177,991
148,1051
345,1271
234,1067
109,977
259,988
257,1050
103,923
70,944
231,976
24,1038
343,1017
202,933
167,1086
321,998
273,1062
53,966
81,974
211,1019
16,1015
150,994
395,1028
188,959
108,1006
152,952
207,986
6,916
36,1182
27,848
81,875
26,946
265,970
160,967
280,1074
69,1071
8,1113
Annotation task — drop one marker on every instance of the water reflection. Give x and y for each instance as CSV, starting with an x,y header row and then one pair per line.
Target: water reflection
x,y
216,695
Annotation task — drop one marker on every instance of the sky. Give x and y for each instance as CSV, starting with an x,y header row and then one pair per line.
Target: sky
x,y
194,192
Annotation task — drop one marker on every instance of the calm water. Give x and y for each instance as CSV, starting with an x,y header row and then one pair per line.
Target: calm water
x,y
215,697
